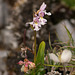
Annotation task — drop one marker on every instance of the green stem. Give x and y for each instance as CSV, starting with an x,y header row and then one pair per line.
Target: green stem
x,y
50,42
57,65
34,46
64,72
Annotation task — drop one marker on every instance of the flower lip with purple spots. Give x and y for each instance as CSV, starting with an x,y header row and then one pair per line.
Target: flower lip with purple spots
x,y
41,14
36,19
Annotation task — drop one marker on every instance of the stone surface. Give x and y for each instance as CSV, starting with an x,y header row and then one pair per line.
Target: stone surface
x,y
61,31
3,13
3,55
8,38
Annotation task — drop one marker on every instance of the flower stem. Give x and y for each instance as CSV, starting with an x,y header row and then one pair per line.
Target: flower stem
x,y
64,72
34,46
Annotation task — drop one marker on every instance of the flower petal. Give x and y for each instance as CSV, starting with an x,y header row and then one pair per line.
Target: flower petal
x,y
31,23
31,65
43,6
36,28
66,56
53,57
47,13
20,62
41,13
42,21
22,68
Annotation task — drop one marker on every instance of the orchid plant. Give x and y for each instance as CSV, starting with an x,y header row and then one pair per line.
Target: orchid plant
x,y
37,67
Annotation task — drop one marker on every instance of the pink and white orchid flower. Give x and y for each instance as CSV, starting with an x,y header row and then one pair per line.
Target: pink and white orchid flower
x,y
38,19
26,65
20,62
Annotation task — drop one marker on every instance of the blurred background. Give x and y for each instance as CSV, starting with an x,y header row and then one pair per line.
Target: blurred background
x,y
13,16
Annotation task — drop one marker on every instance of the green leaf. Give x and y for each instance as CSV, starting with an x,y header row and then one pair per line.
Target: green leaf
x,y
40,59
41,69
70,36
50,42
57,65
38,73
40,53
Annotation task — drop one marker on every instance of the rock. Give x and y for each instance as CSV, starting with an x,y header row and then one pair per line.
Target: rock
x,y
3,13
0,73
3,55
8,39
5,73
61,31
